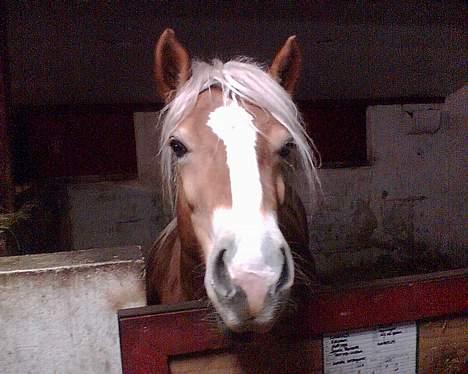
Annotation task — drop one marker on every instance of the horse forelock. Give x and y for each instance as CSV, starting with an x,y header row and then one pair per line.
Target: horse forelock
x,y
241,80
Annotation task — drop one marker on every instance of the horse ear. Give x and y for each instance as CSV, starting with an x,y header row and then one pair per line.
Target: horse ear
x,y
286,66
172,65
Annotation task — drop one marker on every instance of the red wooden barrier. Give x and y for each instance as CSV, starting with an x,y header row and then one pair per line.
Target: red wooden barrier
x,y
150,335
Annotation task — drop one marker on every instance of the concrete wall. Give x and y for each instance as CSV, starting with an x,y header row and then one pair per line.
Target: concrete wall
x,y
113,214
102,52
58,311
410,200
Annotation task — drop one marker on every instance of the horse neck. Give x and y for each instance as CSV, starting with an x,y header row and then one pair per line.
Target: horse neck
x,y
190,253
171,274
292,218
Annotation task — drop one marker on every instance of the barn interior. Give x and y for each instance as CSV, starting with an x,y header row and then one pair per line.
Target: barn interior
x,y
87,173
382,92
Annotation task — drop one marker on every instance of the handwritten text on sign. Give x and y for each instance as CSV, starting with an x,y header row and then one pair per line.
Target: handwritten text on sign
x,y
390,349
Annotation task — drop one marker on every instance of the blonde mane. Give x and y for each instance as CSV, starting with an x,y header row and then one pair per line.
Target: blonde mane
x,y
245,81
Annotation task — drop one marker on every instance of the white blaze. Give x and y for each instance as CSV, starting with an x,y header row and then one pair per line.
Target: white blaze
x,y
235,127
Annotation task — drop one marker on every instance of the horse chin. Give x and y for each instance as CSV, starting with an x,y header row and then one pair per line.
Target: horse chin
x,y
235,318
242,327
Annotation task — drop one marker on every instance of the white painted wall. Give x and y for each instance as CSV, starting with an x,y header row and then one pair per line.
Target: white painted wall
x,y
58,312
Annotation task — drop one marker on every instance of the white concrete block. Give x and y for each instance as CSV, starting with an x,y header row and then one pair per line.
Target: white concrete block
x,y
58,311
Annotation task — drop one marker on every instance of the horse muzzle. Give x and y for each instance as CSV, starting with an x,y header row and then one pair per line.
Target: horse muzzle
x,y
249,293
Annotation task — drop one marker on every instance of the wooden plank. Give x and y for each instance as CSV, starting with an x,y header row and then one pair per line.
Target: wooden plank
x,y
149,339
7,192
443,346
406,299
272,357
211,363
78,144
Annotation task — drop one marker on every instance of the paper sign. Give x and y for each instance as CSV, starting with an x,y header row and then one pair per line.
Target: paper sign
x,y
384,350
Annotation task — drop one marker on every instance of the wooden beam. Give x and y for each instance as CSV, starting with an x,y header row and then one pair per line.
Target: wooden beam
x,y
7,193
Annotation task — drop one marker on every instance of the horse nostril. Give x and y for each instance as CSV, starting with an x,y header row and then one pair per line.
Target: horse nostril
x,y
221,279
285,274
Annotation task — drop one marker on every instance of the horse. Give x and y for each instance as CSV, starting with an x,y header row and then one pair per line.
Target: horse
x,y
231,138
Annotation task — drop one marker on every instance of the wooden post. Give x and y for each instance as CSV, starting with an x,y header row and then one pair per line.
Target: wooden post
x,y
6,179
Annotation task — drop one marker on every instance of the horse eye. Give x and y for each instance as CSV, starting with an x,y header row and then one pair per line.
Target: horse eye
x,y
286,149
178,148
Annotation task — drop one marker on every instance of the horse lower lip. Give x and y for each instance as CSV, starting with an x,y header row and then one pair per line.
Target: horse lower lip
x,y
228,294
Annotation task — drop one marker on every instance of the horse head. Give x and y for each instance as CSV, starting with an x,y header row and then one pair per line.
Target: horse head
x,y
228,131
